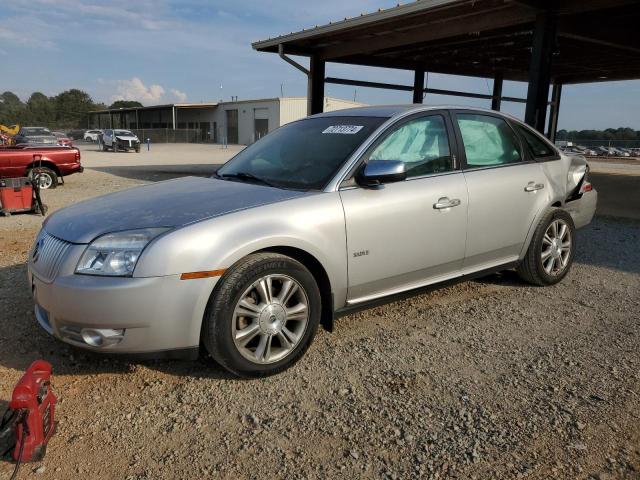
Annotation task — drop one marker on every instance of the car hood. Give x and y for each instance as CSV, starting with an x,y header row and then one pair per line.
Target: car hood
x,y
126,137
173,203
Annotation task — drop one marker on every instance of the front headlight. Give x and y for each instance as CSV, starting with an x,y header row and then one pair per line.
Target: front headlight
x,y
116,254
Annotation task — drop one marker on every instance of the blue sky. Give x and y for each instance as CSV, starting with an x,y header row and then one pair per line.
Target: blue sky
x,y
159,51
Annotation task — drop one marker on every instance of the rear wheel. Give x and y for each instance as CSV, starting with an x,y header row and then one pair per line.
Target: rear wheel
x,y
550,254
262,316
44,177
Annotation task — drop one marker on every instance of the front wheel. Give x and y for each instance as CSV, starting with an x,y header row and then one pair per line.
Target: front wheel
x,y
550,254
262,316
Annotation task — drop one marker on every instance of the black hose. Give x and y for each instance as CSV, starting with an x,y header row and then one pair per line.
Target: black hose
x,y
15,471
36,191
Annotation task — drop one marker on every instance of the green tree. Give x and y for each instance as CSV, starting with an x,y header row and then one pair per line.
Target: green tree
x,y
40,110
12,110
72,108
125,104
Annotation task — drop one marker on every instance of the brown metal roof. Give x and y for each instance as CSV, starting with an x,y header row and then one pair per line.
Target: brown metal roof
x,y
597,40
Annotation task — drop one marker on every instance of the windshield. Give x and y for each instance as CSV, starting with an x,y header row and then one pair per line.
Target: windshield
x,y
124,133
32,132
302,155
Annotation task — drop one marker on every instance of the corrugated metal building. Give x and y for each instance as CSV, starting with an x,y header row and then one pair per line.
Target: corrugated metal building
x,y
238,122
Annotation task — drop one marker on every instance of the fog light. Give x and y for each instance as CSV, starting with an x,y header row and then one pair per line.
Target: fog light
x,y
102,337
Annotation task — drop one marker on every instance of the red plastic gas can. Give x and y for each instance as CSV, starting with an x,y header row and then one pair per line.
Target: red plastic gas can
x,y
35,399
16,194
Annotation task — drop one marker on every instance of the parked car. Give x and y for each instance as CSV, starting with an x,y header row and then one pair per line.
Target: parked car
x,y
63,139
619,152
35,136
603,151
120,140
44,164
324,215
92,135
76,134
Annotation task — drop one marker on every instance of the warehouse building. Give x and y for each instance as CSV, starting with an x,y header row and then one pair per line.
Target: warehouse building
x,y
238,122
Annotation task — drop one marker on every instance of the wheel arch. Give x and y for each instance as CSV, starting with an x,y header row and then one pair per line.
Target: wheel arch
x,y
319,274
557,204
44,163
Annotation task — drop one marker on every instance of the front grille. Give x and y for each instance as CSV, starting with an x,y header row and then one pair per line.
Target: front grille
x,y
47,255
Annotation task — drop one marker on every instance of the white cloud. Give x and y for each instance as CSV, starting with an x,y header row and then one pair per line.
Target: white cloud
x,y
135,89
181,97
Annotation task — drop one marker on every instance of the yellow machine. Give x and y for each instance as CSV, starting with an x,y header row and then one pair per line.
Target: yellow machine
x,y
11,131
7,134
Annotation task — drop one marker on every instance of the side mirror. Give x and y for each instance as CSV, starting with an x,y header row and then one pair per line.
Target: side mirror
x,y
378,172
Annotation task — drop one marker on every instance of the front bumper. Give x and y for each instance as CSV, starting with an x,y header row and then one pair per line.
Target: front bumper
x,y
157,314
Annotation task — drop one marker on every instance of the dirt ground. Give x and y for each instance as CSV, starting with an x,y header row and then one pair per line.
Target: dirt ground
x,y
485,379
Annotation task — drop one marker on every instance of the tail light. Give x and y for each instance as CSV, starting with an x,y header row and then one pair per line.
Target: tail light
x,y
585,186
78,154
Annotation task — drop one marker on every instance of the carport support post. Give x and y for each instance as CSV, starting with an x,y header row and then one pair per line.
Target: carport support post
x,y
540,71
554,112
316,85
418,86
496,97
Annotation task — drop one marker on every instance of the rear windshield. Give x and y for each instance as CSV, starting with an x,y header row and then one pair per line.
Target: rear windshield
x,y
302,155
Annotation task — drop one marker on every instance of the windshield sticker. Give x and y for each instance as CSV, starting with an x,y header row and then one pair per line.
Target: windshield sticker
x,y
343,129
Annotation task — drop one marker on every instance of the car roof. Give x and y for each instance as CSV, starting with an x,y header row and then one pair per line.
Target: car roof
x,y
389,111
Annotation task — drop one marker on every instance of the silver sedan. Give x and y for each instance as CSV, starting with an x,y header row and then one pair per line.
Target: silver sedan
x,y
325,215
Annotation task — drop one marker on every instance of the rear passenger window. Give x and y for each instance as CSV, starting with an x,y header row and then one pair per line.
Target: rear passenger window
x,y
488,141
537,146
422,144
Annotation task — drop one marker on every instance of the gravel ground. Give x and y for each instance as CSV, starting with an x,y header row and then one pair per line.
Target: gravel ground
x,y
485,379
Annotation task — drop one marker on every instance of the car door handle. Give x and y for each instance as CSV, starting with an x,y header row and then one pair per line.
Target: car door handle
x,y
532,187
444,202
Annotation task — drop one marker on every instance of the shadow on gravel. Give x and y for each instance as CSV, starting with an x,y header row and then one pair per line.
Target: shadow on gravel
x,y
610,243
22,341
158,173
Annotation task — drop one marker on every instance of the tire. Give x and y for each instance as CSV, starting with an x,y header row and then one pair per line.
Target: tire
x,y
276,338
47,178
548,260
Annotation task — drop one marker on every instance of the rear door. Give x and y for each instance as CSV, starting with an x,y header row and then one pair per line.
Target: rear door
x,y
506,189
407,234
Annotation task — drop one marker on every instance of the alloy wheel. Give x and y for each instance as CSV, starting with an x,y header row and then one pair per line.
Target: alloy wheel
x,y
270,319
556,247
43,180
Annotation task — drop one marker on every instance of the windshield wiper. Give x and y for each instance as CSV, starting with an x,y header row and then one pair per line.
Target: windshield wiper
x,y
246,176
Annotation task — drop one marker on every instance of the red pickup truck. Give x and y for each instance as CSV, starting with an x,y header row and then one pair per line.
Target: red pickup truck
x,y
47,163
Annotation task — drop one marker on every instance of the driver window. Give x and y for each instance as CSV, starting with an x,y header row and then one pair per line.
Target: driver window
x,y
422,144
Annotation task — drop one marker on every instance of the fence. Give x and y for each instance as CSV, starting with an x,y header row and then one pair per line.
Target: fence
x,y
169,135
603,143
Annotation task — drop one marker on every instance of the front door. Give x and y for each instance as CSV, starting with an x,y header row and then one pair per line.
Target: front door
x,y
407,234
506,191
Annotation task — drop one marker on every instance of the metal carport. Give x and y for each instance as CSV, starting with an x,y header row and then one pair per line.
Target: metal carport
x,y
545,43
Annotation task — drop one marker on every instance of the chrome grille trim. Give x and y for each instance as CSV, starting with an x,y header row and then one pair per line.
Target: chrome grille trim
x,y
47,255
